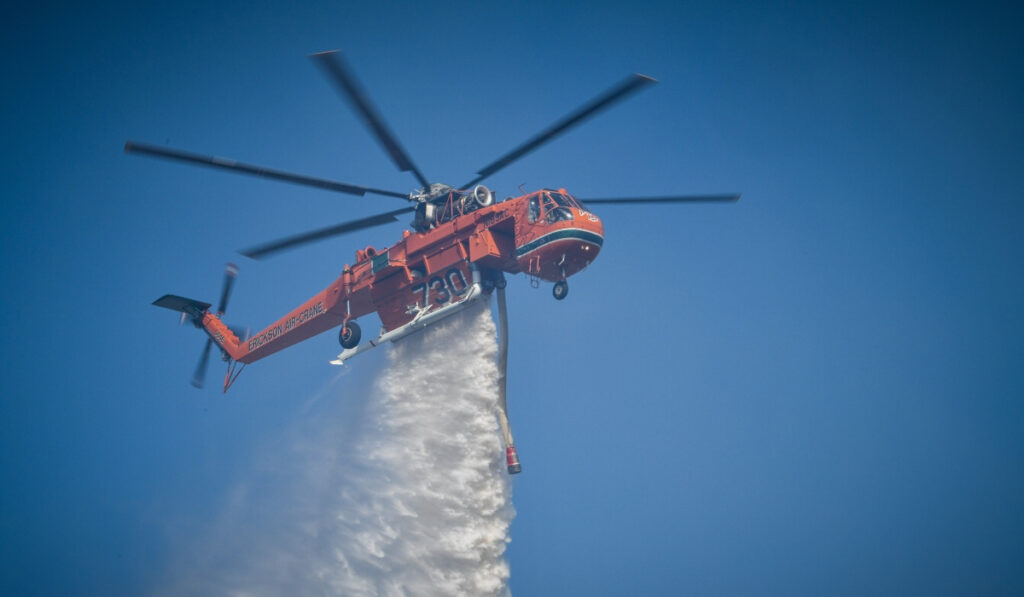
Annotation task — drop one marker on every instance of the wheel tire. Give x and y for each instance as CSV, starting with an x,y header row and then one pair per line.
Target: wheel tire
x,y
349,335
500,283
561,290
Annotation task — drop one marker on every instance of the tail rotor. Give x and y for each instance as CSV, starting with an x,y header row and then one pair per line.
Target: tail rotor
x,y
230,273
204,359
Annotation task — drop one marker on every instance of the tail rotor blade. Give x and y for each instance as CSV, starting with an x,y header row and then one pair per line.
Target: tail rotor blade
x,y
230,273
204,360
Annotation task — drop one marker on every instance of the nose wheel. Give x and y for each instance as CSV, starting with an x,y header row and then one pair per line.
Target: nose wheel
x,y
561,290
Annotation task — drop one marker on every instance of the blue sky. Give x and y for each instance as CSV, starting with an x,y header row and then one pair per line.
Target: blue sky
x,y
815,390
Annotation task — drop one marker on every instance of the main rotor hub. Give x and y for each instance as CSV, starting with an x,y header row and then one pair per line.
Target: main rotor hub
x,y
435,192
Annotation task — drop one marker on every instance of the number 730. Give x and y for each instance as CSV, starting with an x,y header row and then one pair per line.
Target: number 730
x,y
451,283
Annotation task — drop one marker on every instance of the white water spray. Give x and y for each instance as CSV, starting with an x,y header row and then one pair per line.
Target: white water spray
x,y
407,496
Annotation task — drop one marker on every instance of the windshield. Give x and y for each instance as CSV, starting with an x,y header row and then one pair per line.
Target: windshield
x,y
557,207
558,214
552,206
563,200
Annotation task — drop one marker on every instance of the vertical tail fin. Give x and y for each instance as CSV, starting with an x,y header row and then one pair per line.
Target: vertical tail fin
x,y
199,314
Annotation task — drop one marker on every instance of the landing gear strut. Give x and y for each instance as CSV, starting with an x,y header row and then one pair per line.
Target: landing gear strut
x,y
561,290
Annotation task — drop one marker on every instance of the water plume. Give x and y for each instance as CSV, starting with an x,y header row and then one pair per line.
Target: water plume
x,y
401,492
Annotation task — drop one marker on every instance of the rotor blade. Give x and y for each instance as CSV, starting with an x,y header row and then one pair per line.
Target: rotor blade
x,y
605,100
308,237
338,71
204,359
669,199
225,291
228,164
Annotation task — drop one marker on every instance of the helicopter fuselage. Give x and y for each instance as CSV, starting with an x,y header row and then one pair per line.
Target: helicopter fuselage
x,y
546,234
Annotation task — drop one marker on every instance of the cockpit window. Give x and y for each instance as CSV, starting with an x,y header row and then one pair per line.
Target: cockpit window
x,y
563,200
556,207
551,207
558,214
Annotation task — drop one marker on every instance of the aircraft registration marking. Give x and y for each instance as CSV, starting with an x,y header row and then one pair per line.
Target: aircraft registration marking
x,y
452,282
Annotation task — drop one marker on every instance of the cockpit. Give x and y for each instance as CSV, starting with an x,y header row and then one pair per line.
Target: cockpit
x,y
552,206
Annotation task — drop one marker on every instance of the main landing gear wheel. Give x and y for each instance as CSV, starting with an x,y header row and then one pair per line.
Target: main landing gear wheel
x,y
561,290
500,283
349,335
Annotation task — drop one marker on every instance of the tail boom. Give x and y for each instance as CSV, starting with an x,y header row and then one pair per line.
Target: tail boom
x,y
327,309
324,311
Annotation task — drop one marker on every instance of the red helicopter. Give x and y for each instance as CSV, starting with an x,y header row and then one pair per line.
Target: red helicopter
x,y
461,245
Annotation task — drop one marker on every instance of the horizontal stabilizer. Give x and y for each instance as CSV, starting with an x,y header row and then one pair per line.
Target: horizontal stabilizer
x,y
180,303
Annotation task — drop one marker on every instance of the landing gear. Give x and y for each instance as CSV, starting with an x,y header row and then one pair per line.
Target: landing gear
x,y
349,335
561,290
501,282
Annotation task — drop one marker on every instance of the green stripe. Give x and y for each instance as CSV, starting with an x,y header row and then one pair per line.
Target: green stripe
x,y
557,235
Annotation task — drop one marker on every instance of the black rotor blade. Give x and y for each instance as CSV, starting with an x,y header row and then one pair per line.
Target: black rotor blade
x,y
204,359
232,165
668,199
605,100
308,237
225,291
338,71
